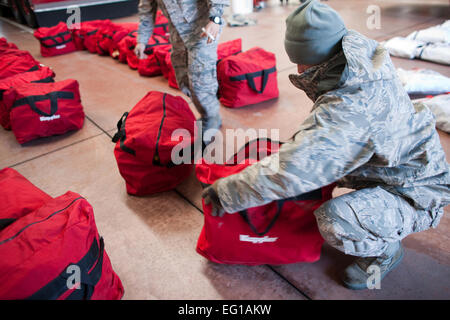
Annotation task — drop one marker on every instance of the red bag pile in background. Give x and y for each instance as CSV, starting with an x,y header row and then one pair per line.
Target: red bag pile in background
x,y
55,40
151,66
42,75
44,109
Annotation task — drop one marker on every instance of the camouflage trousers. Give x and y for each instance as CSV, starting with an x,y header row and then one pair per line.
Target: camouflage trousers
x,y
362,223
194,62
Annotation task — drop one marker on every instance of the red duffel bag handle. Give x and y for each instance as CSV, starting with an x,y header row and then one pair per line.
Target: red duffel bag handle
x,y
55,41
91,267
312,195
250,77
52,96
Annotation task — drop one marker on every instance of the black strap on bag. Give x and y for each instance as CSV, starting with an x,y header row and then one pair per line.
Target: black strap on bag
x,y
121,135
149,47
93,259
250,77
49,79
165,26
57,39
312,195
156,158
132,34
33,68
52,96
5,222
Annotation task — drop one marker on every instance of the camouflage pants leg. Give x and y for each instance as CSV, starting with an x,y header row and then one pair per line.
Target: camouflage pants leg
x,y
202,59
179,57
362,223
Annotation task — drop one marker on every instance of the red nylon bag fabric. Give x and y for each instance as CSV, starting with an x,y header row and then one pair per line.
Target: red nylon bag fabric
x,y
161,24
4,44
162,54
247,78
44,246
144,145
150,66
280,232
43,75
91,30
171,77
44,109
125,30
126,45
55,40
14,61
19,196
229,48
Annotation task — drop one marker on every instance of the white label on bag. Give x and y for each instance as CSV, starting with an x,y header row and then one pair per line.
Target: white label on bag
x,y
61,46
246,238
56,116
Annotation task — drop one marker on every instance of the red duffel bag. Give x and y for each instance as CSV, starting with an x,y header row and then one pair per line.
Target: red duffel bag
x,y
19,197
150,66
144,143
280,232
125,46
228,48
91,31
43,75
44,109
247,78
162,54
171,76
55,40
4,44
161,24
154,42
13,61
125,30
55,252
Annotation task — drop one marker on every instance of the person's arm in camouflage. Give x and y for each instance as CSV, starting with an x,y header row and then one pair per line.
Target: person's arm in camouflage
x,y
332,142
217,7
147,15
212,30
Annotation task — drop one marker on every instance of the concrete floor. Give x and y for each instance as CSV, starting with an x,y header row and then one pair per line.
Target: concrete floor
x,y
151,240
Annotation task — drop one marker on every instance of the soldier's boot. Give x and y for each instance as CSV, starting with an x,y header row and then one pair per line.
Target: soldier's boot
x,y
210,127
356,275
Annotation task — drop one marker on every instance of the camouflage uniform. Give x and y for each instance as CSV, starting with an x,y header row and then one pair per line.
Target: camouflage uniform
x,y
366,134
193,59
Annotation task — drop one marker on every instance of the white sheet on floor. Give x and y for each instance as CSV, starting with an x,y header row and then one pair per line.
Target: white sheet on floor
x,y
439,33
440,106
403,48
437,52
423,81
431,44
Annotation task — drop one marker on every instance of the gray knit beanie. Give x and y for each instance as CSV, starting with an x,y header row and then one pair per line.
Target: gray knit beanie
x,y
313,34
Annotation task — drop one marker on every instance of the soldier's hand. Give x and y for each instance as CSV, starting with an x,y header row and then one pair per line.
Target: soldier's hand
x,y
139,51
213,29
211,197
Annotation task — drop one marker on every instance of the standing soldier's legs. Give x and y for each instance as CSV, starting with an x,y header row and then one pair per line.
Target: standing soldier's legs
x,y
179,57
369,223
202,59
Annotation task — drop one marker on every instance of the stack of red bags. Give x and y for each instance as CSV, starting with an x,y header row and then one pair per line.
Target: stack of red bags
x,y
32,104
